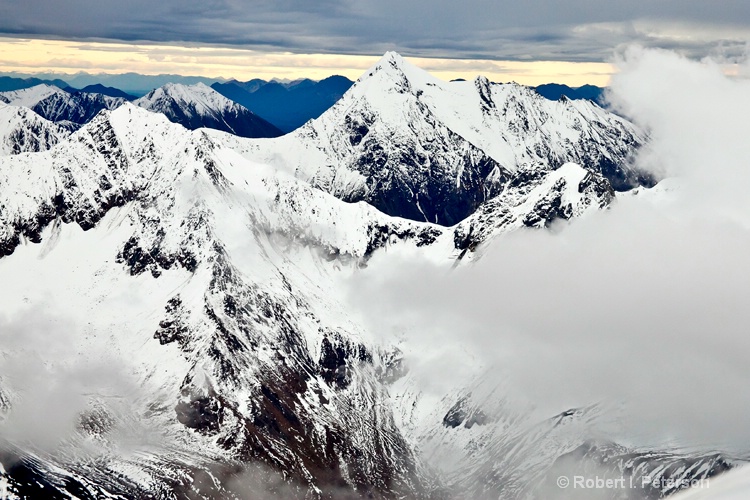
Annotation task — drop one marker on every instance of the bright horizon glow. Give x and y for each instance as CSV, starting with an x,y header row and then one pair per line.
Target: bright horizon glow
x,y
35,56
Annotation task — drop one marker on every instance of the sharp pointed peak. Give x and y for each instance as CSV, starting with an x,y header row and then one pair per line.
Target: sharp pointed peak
x,y
41,87
181,91
392,63
392,55
392,60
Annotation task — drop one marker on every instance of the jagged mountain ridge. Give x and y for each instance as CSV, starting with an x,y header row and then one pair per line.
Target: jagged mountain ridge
x,y
534,199
417,147
198,106
30,96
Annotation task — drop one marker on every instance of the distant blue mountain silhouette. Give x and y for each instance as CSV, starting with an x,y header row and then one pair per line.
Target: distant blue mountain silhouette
x,y
286,105
553,92
8,83
98,88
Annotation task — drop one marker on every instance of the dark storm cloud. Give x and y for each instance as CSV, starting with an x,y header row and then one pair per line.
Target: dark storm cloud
x,y
584,30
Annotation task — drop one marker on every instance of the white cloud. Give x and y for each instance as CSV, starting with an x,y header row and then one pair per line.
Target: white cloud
x,y
49,382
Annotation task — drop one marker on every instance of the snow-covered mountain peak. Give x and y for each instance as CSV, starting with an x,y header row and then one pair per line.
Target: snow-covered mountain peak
x,y
196,106
30,97
137,130
129,117
392,56
392,73
204,99
391,61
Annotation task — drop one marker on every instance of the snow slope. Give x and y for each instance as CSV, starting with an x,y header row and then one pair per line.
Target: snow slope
x,y
29,97
732,486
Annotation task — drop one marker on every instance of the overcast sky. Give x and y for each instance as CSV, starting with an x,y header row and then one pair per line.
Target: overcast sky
x,y
571,30
498,30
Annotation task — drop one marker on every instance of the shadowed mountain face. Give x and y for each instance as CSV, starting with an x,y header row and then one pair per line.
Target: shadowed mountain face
x,y
288,106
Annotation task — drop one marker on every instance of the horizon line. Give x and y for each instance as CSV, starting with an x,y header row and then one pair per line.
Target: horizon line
x,y
36,56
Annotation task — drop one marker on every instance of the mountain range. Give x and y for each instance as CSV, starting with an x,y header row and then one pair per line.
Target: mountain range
x,y
195,278
192,106
135,84
70,110
285,104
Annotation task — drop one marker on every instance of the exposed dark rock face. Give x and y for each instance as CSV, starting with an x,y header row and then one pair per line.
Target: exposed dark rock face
x,y
202,413
174,327
463,413
422,185
380,235
74,109
337,357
